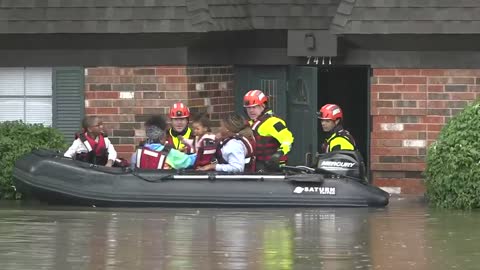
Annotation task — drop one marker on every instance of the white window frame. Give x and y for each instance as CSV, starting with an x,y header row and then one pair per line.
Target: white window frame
x,y
27,98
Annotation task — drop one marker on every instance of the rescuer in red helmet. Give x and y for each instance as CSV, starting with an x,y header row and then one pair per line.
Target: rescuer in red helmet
x,y
273,139
179,115
331,116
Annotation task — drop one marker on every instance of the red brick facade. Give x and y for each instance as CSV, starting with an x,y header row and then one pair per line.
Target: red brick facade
x,y
409,108
124,97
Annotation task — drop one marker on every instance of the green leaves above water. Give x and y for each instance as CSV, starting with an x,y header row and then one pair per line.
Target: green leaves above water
x,y
453,162
17,139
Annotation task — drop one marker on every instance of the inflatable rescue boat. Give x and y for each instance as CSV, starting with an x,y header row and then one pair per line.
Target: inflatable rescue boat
x,y
337,180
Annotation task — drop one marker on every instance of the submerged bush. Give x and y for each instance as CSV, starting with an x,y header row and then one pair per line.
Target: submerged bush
x,y
17,139
453,162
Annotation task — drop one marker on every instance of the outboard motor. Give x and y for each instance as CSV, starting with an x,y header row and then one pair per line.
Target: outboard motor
x,y
342,163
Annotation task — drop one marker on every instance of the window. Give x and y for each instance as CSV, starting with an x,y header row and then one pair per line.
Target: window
x,y
26,94
270,88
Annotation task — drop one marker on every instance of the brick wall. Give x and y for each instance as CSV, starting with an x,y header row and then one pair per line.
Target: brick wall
x,y
125,97
409,107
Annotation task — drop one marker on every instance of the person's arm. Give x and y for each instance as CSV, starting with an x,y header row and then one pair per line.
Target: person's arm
x,y
133,160
234,153
72,150
187,142
112,153
282,134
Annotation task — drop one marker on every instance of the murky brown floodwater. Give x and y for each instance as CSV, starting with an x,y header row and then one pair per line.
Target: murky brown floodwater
x,y
405,235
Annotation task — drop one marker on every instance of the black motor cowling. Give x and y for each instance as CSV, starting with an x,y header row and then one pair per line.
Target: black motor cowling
x,y
341,163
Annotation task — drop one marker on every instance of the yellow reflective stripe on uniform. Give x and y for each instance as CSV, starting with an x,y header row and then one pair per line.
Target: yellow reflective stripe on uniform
x,y
342,142
284,136
177,144
175,141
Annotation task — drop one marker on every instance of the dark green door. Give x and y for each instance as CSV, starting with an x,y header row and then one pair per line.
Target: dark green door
x,y
272,80
301,109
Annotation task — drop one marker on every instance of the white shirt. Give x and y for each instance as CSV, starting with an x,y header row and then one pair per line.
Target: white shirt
x,y
234,153
79,147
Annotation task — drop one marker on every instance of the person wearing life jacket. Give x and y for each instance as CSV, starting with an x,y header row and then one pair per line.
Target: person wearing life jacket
x,y
273,139
179,116
204,143
236,150
91,145
337,138
155,154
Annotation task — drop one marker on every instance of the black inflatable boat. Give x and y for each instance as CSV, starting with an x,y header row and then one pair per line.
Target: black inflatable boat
x,y
337,181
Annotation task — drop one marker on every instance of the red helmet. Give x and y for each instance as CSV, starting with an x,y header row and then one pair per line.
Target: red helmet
x,y
254,98
330,112
179,110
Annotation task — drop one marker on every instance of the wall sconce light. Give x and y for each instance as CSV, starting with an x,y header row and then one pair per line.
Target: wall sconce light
x,y
310,41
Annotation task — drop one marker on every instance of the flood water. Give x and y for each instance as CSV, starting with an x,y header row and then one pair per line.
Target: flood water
x,y
405,235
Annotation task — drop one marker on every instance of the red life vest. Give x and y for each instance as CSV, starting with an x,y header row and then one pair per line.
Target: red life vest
x,y
150,159
266,146
206,149
250,159
97,151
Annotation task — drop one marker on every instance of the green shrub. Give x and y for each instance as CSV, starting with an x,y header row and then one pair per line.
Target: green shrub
x,y
453,162
17,139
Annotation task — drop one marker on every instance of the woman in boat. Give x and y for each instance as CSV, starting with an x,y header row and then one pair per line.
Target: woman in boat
x,y
179,116
337,138
236,149
91,145
154,153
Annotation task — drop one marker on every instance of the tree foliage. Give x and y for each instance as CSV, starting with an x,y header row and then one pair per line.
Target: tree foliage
x,y
453,162
17,139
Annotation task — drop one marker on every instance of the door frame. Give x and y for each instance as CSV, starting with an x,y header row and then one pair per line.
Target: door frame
x,y
238,93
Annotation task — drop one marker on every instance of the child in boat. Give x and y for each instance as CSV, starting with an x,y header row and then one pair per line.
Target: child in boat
x,y
236,148
155,153
204,143
91,145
